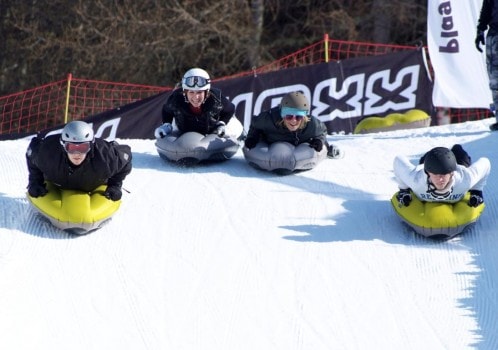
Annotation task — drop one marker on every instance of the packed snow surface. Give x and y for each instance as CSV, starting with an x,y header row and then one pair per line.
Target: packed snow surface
x,y
224,256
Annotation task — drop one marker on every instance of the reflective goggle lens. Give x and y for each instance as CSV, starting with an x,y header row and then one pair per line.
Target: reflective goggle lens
x,y
196,81
81,147
292,116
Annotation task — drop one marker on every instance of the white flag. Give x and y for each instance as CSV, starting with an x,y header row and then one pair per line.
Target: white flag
x,y
461,79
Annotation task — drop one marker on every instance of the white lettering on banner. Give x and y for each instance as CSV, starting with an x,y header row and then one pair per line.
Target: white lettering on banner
x,y
112,124
359,86
247,99
54,132
383,76
447,25
356,81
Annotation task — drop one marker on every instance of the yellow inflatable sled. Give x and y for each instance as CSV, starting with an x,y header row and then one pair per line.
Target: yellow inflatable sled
x,y
414,118
75,211
435,219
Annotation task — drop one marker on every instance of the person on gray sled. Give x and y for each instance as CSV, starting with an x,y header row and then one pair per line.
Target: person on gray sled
x,y
196,107
443,175
290,122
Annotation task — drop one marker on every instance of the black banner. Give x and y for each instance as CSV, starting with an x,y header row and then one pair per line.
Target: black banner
x,y
341,93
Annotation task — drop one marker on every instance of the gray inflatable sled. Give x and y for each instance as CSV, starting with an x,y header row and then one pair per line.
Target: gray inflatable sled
x,y
192,148
284,158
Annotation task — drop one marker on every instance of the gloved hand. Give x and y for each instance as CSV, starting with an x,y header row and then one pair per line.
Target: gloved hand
x,y
250,143
316,144
404,197
220,129
479,40
37,190
163,130
334,152
476,198
113,193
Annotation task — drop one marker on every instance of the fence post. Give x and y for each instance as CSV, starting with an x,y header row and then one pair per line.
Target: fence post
x,y
326,40
68,92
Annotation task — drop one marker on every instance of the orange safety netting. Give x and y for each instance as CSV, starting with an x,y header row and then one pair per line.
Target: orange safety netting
x,y
61,101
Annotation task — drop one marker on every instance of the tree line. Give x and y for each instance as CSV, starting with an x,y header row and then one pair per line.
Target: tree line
x,y
153,42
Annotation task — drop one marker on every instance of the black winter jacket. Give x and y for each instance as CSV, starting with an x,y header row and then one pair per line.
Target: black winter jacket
x,y
268,127
216,108
106,163
489,17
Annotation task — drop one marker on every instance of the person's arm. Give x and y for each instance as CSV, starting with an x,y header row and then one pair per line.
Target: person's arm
x,y
253,136
315,134
320,130
404,172
36,179
485,15
255,132
479,172
122,166
475,177
35,174
482,25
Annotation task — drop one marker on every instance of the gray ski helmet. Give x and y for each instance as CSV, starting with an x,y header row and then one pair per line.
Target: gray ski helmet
x,y
440,161
77,131
295,100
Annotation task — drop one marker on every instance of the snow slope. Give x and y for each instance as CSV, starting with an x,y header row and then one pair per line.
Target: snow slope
x,y
227,257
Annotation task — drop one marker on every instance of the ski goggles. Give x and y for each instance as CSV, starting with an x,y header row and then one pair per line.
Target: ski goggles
x,y
289,111
289,117
77,147
196,81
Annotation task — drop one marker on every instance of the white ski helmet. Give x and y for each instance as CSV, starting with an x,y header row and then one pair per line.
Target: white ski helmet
x,y
77,131
196,79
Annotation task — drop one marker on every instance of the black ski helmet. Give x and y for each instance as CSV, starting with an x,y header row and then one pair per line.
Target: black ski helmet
x,y
440,160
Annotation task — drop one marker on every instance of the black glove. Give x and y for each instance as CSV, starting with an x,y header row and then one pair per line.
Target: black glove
x,y
476,198
220,129
334,152
250,143
316,144
113,193
479,40
404,197
462,157
37,190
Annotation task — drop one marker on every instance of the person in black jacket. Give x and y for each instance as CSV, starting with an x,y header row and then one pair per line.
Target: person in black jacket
x,y
290,122
488,20
196,107
76,160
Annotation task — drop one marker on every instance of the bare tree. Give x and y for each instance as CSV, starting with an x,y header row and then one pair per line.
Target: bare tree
x,y
401,22
153,42
257,16
148,42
